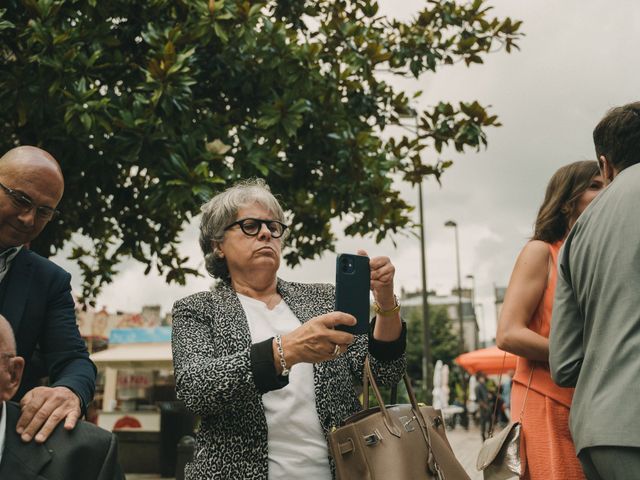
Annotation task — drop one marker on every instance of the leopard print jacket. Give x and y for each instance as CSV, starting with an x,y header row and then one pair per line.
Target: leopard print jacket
x,y
211,345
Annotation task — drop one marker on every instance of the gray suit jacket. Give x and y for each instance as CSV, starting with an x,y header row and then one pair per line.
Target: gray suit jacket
x,y
84,453
595,328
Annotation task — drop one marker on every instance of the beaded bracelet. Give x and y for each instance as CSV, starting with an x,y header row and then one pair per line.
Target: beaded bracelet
x,y
283,363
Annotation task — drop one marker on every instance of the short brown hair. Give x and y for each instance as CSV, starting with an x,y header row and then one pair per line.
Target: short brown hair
x,y
617,136
558,206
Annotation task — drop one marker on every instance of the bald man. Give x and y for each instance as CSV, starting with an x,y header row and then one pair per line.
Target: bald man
x,y
87,452
35,297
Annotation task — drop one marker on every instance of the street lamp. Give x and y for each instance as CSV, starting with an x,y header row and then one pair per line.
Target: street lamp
x,y
465,417
426,327
451,223
482,343
473,288
473,310
426,330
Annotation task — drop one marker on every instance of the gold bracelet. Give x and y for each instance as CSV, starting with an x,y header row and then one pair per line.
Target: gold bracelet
x,y
387,313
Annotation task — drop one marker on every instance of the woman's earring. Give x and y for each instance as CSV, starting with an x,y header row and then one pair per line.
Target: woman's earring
x,y
218,253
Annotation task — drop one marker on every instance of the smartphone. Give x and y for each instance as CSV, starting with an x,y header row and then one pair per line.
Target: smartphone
x,y
353,280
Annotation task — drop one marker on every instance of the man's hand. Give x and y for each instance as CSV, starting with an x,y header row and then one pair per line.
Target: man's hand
x,y
43,408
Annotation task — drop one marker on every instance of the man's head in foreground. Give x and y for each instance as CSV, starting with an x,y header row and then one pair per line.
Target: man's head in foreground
x,y
11,366
617,140
31,186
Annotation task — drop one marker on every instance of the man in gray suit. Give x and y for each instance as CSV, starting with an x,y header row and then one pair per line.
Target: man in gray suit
x,y
595,329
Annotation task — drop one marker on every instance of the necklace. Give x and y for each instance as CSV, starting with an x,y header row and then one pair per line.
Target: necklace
x,y
273,301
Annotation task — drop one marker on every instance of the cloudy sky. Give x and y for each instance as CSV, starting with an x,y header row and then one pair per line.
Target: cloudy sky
x,y
576,61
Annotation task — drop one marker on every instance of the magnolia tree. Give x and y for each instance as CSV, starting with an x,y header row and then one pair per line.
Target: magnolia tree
x,y
152,107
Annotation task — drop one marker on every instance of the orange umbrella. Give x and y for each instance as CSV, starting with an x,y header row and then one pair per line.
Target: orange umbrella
x,y
488,360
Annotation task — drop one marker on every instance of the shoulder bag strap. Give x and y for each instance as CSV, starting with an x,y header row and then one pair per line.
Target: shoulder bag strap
x,y
499,394
526,394
495,405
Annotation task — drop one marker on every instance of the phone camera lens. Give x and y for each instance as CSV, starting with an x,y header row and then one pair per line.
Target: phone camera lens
x,y
347,265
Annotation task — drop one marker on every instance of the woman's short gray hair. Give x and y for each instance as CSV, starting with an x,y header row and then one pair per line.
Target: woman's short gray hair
x,y
222,210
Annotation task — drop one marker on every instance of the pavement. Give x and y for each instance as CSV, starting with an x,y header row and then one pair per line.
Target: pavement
x,y
465,444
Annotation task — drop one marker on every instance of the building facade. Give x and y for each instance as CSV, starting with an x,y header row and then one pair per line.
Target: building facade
x,y
413,300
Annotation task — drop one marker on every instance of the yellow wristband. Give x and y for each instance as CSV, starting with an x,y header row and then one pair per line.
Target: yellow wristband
x,y
387,313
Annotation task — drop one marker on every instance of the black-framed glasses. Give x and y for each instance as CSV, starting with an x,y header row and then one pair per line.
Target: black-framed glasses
x,y
252,226
25,204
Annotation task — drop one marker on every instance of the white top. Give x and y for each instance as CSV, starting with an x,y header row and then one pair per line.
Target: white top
x,y
3,428
296,443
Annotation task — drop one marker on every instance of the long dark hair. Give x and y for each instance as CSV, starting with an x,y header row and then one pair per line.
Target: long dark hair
x,y
559,204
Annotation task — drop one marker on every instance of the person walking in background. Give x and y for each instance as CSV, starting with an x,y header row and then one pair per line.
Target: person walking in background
x,y
595,333
505,392
484,407
524,324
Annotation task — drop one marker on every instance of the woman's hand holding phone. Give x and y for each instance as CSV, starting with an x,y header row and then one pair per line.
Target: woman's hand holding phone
x,y
388,327
382,274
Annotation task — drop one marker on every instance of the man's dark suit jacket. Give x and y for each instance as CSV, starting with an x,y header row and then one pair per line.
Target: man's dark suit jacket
x,y
84,453
35,297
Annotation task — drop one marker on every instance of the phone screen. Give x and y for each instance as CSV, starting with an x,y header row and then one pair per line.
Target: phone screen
x,y
353,281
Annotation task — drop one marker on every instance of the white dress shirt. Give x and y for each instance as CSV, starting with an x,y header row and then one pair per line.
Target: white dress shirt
x,y
3,428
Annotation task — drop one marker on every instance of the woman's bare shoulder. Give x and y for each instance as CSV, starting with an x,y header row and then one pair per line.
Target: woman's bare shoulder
x,y
536,249
533,259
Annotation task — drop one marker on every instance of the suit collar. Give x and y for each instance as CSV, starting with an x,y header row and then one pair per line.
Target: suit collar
x,y
21,461
19,279
8,254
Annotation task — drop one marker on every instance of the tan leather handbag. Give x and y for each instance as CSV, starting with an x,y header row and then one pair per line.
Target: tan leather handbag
x,y
393,442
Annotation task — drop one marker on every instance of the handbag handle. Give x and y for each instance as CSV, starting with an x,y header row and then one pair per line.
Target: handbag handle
x,y
368,379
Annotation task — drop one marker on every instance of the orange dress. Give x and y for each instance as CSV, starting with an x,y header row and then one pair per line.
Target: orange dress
x,y
548,447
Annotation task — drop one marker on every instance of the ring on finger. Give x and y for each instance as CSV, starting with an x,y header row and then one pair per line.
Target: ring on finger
x,y
336,350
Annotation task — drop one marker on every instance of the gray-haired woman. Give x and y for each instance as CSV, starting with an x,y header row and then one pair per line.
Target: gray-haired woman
x,y
257,357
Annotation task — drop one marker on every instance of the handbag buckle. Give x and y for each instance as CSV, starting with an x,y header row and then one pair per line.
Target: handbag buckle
x,y
437,422
372,439
406,423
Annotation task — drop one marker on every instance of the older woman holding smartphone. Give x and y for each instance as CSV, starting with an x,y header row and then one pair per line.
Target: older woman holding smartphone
x,y
259,359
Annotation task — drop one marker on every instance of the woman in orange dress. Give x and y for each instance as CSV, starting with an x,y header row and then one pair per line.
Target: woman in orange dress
x,y
525,321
